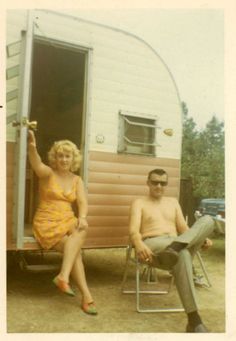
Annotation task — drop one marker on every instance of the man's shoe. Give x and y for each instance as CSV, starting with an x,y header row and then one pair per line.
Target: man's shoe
x,y
165,259
200,328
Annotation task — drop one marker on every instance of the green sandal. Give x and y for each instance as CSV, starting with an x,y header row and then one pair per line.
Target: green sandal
x,y
89,308
63,286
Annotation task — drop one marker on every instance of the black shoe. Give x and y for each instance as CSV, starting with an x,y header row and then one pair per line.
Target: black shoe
x,y
165,259
200,328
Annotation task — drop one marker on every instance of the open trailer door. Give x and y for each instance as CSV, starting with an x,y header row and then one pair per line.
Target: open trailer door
x,y
52,91
21,124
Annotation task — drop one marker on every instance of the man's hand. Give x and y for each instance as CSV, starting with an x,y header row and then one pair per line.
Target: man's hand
x,y
143,252
208,243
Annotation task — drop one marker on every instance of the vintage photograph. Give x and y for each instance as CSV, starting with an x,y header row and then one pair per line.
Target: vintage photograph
x,y
115,170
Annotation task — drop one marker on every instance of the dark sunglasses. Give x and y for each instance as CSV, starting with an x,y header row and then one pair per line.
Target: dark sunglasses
x,y
156,183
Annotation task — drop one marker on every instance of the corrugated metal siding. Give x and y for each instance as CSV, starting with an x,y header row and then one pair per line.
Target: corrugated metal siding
x,y
114,181
126,74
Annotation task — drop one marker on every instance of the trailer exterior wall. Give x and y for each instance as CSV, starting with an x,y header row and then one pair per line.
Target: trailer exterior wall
x,y
113,182
126,74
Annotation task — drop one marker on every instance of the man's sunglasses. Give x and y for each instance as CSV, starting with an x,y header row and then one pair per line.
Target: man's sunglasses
x,y
156,183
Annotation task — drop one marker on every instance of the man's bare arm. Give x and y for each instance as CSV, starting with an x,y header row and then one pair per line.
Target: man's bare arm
x,y
143,251
181,224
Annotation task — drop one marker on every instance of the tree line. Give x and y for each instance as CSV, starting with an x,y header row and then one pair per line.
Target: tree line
x,y
203,156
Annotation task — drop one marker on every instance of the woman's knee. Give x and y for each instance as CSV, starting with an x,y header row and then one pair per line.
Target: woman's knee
x,y
60,245
79,234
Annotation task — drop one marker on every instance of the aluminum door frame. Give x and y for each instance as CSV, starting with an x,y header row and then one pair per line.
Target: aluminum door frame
x,y
21,132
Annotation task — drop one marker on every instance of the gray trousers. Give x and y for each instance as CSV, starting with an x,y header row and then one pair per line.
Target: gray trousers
x,y
182,271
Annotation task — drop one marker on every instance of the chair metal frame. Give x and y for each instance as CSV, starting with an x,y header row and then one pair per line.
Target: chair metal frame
x,y
149,272
200,260
197,215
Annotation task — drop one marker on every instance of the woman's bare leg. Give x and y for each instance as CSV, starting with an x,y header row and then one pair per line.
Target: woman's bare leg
x,y
70,246
79,277
77,271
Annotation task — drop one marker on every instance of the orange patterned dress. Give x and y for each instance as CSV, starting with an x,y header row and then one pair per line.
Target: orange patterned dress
x,y
54,217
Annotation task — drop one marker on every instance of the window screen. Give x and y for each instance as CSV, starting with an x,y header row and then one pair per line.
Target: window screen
x,y
137,135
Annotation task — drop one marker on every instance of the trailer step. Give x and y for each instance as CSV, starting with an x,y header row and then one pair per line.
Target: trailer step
x,y
41,267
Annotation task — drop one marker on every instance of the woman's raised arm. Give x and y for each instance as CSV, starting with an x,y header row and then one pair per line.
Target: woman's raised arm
x,y
35,160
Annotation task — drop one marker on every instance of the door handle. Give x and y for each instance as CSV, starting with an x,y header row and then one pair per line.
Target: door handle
x,y
25,123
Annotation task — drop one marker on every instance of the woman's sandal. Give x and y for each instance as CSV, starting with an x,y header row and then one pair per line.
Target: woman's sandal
x,y
63,286
89,308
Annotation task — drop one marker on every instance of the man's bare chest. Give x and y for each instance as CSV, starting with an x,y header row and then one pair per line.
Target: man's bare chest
x,y
159,212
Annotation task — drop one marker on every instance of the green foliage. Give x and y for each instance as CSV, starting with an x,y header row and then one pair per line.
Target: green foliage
x,y
203,157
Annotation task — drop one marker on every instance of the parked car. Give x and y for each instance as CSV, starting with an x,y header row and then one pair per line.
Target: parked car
x,y
213,207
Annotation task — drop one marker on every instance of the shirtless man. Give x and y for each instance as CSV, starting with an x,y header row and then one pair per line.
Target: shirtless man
x,y
162,237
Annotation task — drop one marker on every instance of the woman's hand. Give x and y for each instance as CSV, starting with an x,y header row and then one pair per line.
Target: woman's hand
x,y
31,139
82,223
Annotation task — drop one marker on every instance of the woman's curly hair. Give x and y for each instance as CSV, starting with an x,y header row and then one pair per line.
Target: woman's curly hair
x,y
65,146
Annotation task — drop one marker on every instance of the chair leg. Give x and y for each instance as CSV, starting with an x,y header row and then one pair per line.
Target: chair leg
x,y
150,273
203,269
138,291
160,292
128,258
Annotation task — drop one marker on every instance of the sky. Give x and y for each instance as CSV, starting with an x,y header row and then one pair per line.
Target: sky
x,y
191,43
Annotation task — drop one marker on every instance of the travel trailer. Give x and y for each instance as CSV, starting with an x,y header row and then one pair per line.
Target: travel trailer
x,y
109,92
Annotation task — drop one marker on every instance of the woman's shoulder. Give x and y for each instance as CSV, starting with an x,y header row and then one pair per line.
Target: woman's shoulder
x,y
76,178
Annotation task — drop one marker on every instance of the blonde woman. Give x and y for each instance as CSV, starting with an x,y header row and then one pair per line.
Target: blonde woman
x,y
55,226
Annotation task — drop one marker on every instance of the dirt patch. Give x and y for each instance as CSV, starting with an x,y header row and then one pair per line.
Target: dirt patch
x,y
35,306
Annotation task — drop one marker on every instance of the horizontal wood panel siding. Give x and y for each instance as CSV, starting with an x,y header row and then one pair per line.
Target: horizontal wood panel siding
x,y
101,199
113,199
105,210
114,181
125,179
122,159
110,194
115,189
10,188
97,221
133,169
122,189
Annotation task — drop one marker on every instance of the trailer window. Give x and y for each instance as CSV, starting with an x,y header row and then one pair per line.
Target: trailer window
x,y
137,135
